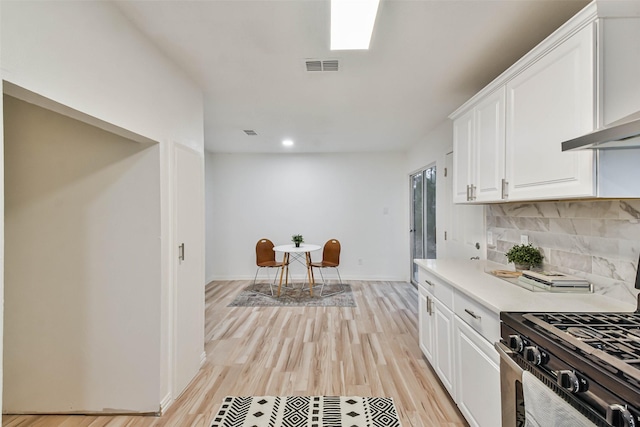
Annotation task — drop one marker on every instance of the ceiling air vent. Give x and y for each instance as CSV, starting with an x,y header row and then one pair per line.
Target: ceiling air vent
x,y
250,132
317,65
331,65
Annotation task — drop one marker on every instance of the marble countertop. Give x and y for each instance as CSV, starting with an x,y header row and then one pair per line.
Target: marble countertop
x,y
469,277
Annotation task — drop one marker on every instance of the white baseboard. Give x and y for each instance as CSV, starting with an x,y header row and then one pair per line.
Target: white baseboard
x,y
165,403
295,277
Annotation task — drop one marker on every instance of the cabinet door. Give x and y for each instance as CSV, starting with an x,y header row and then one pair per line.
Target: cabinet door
x,y
478,380
426,327
547,103
489,147
444,349
463,162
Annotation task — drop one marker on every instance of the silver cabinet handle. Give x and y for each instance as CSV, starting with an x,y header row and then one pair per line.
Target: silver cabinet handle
x,y
472,314
428,304
473,192
181,252
468,188
428,282
505,188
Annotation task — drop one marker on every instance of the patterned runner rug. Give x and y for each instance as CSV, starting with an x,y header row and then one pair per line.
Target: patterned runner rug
x,y
295,295
306,411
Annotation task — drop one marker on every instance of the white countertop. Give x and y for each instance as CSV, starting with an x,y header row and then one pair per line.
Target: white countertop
x,y
498,295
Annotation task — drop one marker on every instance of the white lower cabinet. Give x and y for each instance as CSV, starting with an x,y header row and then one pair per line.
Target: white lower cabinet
x,y
477,367
426,326
436,328
444,349
456,336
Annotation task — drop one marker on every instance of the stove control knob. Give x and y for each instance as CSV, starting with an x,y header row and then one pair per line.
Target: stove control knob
x,y
619,416
516,343
534,355
572,382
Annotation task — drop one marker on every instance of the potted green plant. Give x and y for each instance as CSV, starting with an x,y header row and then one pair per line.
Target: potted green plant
x,y
525,257
297,239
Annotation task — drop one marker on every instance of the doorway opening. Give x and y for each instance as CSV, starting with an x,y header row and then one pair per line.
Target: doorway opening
x,y
423,217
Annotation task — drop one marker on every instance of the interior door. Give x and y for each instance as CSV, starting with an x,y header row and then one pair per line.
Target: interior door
x,y
188,347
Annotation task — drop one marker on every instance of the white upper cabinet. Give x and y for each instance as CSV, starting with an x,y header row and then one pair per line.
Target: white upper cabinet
x,y
508,137
463,157
478,151
549,102
489,145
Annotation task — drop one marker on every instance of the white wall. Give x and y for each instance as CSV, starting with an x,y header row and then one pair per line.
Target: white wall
x,y
358,198
86,56
432,149
82,220
464,224
1,224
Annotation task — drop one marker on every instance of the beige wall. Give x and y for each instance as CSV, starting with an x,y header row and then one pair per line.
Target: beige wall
x,y
82,224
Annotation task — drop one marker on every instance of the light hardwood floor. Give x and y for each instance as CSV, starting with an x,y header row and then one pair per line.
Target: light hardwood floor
x,y
370,350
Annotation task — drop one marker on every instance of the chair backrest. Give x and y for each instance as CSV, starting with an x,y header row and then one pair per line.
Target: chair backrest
x,y
331,252
264,251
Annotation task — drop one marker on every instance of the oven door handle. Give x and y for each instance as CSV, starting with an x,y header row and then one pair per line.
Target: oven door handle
x,y
505,355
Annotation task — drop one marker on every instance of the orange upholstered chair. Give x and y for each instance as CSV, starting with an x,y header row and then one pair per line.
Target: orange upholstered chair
x,y
266,258
330,259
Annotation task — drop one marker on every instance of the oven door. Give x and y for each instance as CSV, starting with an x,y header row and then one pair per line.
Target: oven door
x,y
510,388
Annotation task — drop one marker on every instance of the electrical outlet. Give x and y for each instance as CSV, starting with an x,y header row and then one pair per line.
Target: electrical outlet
x,y
524,239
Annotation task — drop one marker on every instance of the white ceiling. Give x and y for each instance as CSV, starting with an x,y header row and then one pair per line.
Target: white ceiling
x,y
427,57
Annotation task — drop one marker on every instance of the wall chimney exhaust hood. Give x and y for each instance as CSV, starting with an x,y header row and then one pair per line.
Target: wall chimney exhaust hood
x,y
624,135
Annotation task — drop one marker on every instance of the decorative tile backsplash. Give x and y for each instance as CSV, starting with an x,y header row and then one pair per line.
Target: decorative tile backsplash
x,y
597,240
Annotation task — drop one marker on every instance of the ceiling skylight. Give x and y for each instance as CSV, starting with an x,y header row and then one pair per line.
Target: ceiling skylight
x,y
352,23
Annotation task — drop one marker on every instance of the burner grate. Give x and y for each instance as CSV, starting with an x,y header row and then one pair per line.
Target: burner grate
x,y
612,337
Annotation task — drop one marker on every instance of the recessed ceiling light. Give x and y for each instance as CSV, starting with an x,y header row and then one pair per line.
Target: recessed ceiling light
x,y
352,23
287,143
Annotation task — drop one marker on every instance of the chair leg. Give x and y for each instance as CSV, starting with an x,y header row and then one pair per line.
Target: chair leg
x,y
253,290
342,288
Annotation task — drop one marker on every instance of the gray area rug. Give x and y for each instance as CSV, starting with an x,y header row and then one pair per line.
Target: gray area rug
x,y
306,411
295,295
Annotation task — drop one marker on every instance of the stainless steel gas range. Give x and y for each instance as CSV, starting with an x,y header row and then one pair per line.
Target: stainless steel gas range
x,y
590,360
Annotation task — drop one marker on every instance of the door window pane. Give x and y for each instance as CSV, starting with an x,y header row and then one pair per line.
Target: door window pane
x,y
423,217
430,212
417,217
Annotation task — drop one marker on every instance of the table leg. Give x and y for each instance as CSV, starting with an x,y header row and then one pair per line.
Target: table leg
x,y
309,272
286,277
285,265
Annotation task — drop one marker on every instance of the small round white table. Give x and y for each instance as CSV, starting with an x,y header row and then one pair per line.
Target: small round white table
x,y
297,252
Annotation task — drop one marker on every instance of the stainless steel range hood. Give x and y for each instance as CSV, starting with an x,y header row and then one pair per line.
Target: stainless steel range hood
x,y
624,135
